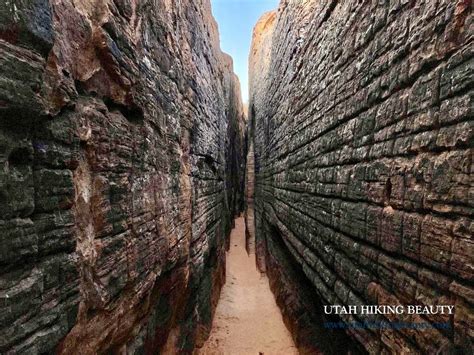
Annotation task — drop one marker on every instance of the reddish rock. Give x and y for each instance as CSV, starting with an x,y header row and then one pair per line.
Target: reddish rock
x,y
121,146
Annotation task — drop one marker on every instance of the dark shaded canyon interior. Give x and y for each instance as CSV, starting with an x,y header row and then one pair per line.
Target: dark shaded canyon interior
x,y
125,155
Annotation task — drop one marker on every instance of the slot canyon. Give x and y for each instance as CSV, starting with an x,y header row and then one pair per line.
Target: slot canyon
x,y
132,173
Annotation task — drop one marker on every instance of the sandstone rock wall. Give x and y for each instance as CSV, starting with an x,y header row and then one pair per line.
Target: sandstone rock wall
x,y
363,139
259,61
120,147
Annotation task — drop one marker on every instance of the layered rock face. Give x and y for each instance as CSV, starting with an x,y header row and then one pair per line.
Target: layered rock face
x,y
259,60
120,150
361,122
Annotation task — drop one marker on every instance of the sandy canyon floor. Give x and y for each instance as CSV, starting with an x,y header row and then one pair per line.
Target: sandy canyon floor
x,y
247,320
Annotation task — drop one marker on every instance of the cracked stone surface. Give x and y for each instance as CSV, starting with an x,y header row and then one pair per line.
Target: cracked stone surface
x,y
361,124
121,142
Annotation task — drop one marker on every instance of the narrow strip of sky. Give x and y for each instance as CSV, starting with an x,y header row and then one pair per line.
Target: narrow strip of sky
x,y
236,19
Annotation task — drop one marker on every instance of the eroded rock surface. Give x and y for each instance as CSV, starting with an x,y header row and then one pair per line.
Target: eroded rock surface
x,y
361,123
120,149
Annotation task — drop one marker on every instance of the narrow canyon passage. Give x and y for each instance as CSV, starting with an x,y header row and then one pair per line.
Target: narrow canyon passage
x,y
247,319
128,146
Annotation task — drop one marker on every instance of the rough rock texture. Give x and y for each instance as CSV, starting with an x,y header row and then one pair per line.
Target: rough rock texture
x,y
259,61
249,206
120,149
363,141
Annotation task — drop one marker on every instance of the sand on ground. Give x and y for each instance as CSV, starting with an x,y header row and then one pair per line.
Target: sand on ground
x,y
247,319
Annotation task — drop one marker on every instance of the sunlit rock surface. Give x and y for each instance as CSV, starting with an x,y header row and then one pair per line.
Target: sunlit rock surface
x,y
121,141
361,124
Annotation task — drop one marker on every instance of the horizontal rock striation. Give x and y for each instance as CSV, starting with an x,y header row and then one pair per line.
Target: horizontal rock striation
x,y
259,61
121,140
361,124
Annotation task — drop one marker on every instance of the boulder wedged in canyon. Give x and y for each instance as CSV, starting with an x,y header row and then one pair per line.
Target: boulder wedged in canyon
x,y
121,145
360,118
